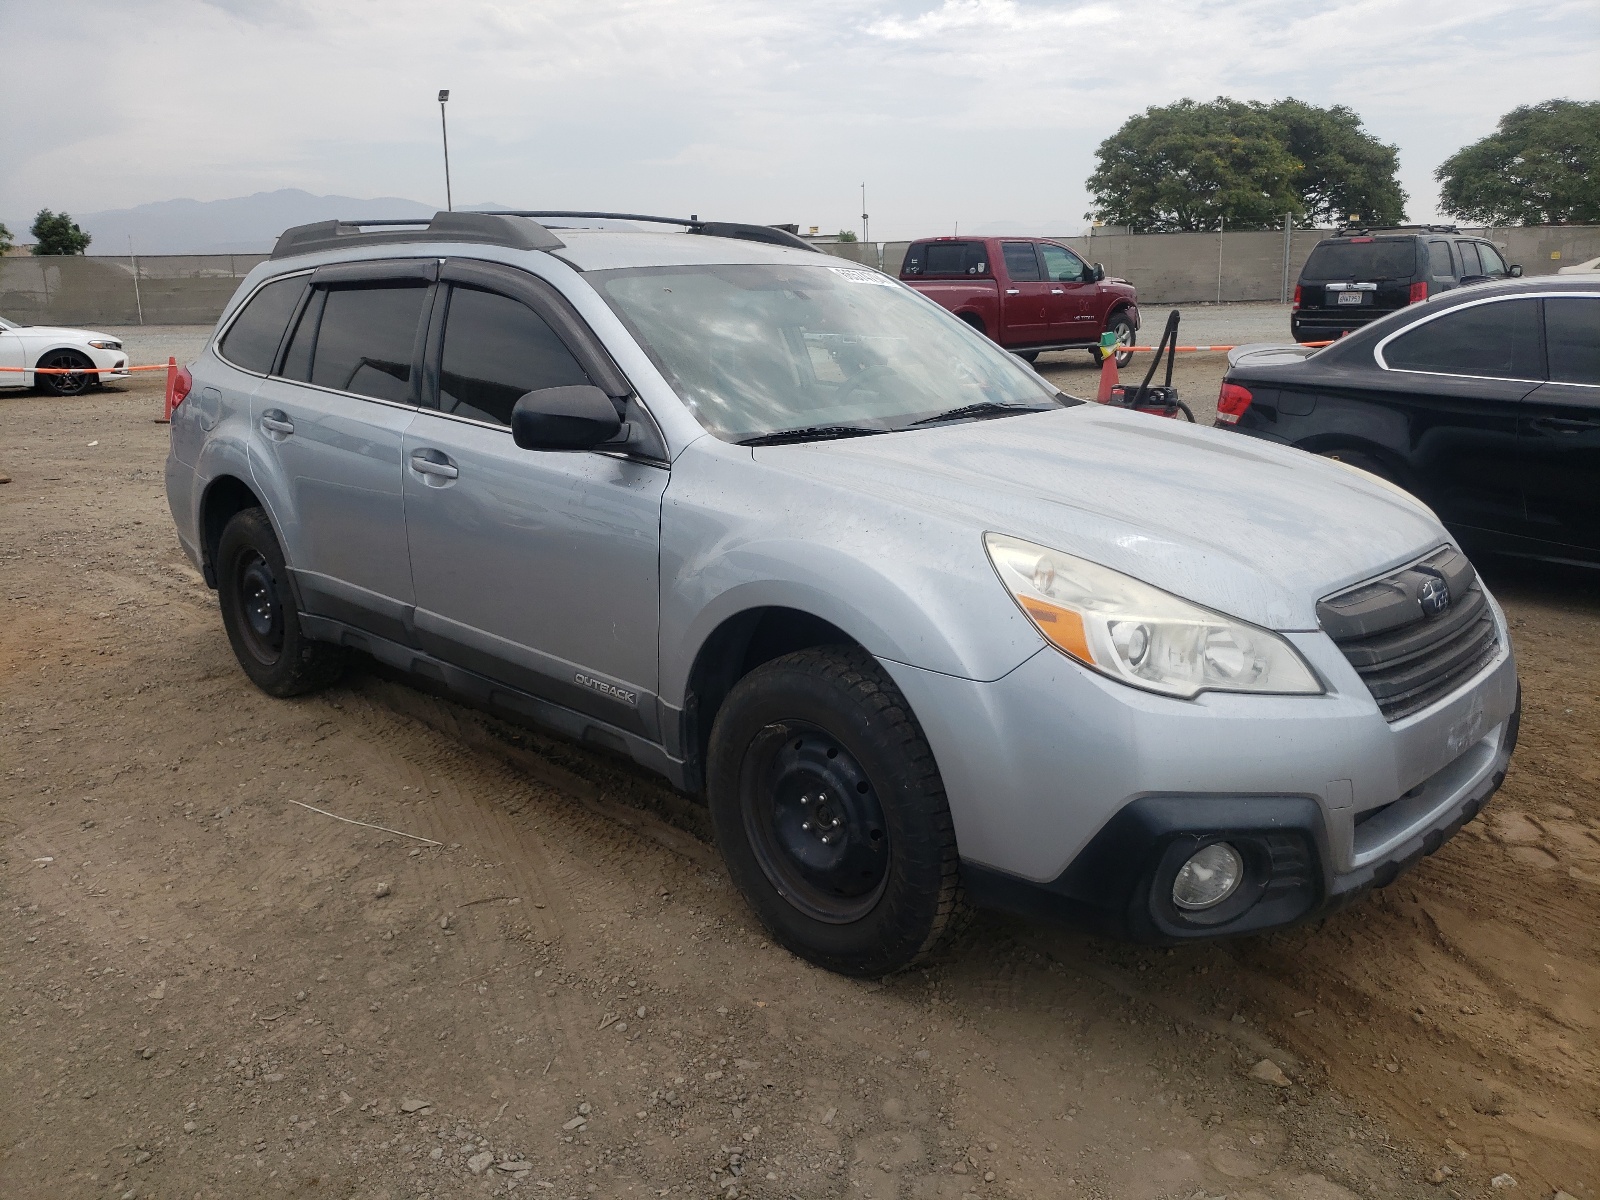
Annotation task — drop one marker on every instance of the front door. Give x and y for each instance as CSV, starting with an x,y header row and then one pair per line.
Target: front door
x,y
11,356
1558,434
327,443
1024,306
535,568
1072,295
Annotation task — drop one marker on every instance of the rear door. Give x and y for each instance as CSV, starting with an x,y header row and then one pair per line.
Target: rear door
x,y
1558,433
327,440
534,568
1025,298
1455,383
1073,303
11,356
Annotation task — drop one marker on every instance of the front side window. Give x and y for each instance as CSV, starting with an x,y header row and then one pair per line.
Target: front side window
x,y
1572,338
252,340
1493,265
366,339
1439,265
1061,264
1497,341
495,351
1022,264
759,350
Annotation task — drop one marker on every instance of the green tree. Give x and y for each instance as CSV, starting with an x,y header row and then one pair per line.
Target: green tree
x,y
1342,168
6,241
1187,166
58,233
846,236
1541,166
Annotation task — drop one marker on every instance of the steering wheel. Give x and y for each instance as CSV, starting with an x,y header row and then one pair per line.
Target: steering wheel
x,y
861,379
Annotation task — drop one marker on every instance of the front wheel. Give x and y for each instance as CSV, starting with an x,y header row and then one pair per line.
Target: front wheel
x,y
830,813
74,384
259,614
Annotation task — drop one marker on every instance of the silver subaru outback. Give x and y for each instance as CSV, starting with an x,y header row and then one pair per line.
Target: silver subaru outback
x,y
925,632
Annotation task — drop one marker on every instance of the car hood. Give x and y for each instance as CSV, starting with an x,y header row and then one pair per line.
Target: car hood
x,y
60,333
1257,531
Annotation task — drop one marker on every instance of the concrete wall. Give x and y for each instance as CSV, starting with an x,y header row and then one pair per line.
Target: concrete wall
x,y
1167,268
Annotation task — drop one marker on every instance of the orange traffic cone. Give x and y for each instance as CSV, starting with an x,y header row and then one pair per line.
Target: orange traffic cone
x,y
1108,367
172,391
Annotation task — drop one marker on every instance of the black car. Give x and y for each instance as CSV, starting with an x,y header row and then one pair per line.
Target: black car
x,y
1358,275
1484,403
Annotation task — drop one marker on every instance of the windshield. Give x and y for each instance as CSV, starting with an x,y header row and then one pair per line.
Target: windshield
x,y
1370,261
760,350
5,324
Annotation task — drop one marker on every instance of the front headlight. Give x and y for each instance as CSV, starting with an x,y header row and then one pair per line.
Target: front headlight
x,y
1138,634
107,344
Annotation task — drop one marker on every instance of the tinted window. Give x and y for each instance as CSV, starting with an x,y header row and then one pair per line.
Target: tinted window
x,y
1439,264
1493,265
1469,258
1500,340
1022,264
1572,337
366,339
946,259
252,340
297,358
1369,262
1061,264
495,350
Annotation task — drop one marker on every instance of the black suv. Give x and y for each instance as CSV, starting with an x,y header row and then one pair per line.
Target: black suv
x,y
1359,275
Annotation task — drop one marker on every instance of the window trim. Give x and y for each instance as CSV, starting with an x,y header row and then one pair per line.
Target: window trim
x,y
1383,363
217,338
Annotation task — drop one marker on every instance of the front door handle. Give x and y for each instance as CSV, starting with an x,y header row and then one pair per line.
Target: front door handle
x,y
1563,425
277,422
1058,291
1013,291
423,465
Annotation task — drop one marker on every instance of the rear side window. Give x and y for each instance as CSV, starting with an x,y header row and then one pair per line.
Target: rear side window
x,y
1368,262
1469,258
1061,264
1499,341
495,350
945,260
252,340
366,338
1572,338
1439,264
1022,264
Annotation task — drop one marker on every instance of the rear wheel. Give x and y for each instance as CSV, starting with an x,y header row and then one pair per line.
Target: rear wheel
x,y
258,612
66,385
1027,356
830,813
1363,462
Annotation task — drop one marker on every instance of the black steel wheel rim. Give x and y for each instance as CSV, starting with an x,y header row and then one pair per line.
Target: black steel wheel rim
x,y
815,823
260,613
67,385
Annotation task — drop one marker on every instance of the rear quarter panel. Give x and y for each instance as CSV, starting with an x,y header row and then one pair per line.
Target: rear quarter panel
x,y
966,298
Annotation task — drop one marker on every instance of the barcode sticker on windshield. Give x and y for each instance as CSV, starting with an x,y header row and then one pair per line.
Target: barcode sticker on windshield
x,y
861,275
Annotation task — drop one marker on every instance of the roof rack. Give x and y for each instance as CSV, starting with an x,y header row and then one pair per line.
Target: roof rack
x,y
518,230
1359,230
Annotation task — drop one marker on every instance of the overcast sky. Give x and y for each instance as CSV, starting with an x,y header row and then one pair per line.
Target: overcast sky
x,y
969,111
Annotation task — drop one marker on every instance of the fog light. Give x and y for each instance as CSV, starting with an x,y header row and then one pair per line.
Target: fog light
x,y
1210,876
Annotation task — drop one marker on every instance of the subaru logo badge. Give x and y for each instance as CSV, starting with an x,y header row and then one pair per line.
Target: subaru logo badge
x,y
1435,596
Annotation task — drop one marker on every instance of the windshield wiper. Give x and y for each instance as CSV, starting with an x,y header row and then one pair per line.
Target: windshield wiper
x,y
984,408
809,433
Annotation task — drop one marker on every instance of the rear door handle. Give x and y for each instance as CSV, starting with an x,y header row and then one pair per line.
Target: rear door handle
x,y
1563,425
1058,291
424,465
1013,291
277,422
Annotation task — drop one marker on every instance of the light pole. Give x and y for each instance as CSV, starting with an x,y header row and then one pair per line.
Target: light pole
x,y
444,131
864,213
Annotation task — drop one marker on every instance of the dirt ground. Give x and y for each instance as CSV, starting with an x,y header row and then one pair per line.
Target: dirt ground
x,y
210,989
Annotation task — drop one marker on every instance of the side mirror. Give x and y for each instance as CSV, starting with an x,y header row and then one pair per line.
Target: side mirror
x,y
1098,272
1516,271
565,418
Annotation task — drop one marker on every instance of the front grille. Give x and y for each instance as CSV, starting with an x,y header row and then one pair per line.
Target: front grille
x,y
1406,655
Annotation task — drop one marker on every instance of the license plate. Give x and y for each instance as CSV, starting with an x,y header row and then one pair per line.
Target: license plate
x,y
1349,297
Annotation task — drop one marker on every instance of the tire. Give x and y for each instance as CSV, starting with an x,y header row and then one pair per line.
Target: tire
x,y
1123,328
65,385
816,745
258,612
1027,356
1364,462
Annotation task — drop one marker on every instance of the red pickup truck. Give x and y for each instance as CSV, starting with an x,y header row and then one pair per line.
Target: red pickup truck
x,y
1028,294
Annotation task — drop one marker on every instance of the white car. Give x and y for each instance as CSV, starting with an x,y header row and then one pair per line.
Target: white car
x,y
1582,268
98,356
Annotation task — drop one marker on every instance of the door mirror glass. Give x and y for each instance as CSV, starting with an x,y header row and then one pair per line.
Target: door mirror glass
x,y
565,418
1516,271
1099,272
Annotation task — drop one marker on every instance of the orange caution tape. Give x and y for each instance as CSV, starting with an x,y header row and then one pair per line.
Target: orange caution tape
x,y
84,370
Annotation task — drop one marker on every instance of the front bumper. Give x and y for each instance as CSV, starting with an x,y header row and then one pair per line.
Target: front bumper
x,y
1077,797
